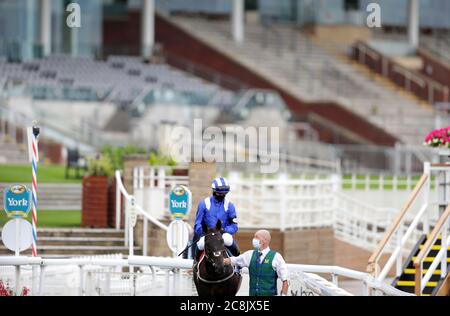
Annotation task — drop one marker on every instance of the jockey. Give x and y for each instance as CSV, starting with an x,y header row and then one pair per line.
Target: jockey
x,y
214,208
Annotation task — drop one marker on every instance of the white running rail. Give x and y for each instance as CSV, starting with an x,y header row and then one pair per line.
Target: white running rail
x,y
88,265
359,223
283,203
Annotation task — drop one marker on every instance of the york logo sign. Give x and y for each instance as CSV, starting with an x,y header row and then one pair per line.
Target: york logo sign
x,y
180,202
12,202
17,201
177,204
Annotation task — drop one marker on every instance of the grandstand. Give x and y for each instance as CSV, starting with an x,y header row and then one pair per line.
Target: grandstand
x,y
352,105
311,74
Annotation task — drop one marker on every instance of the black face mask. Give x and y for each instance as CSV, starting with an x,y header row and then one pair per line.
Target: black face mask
x,y
219,197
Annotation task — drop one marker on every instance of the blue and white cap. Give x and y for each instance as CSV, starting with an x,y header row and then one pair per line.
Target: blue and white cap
x,y
220,185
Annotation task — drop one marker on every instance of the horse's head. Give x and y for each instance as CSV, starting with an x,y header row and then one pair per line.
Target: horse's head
x,y
214,247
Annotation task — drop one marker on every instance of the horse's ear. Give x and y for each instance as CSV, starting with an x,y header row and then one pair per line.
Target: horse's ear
x,y
218,225
204,227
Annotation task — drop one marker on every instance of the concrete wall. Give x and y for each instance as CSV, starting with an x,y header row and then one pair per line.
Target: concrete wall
x,y
310,246
156,239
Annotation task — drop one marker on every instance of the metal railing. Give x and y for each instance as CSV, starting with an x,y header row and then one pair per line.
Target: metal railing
x,y
360,223
152,185
369,282
204,72
283,203
409,76
382,182
132,209
404,230
17,120
408,227
80,274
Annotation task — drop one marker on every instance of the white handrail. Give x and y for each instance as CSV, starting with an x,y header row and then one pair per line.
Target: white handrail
x,y
138,207
129,229
396,255
437,260
441,228
369,281
397,228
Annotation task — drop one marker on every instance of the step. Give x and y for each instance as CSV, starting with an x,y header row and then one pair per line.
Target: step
x,y
427,291
69,250
53,256
80,232
413,283
428,259
81,241
411,277
435,247
424,271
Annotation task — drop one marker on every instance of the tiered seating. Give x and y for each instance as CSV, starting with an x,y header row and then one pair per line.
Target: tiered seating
x,y
121,80
310,73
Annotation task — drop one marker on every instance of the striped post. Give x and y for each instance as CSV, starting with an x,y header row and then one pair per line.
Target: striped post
x,y
33,133
34,195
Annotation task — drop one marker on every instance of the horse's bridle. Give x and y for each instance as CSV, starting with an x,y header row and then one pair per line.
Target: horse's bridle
x,y
213,264
215,253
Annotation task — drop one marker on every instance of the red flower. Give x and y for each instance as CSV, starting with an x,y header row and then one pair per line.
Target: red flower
x,y
6,291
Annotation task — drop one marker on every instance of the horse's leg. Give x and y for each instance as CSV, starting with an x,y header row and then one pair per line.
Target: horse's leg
x,y
236,284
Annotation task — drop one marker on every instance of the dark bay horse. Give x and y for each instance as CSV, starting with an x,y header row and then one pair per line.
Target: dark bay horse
x,y
211,277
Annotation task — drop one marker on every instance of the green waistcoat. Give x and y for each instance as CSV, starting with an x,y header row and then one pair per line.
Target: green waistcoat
x,y
263,278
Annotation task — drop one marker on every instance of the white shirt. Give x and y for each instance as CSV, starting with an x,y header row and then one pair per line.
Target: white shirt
x,y
278,263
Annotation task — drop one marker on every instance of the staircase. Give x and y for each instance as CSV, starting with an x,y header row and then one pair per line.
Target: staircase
x,y
416,247
57,243
406,281
12,153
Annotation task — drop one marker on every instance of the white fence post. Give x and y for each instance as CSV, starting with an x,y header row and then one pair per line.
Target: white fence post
x,y
41,280
17,280
145,237
118,205
399,267
444,245
131,212
81,288
426,197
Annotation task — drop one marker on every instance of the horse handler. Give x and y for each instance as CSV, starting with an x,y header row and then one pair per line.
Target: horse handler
x,y
265,266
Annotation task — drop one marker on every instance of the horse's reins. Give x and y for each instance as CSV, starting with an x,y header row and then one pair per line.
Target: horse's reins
x,y
214,281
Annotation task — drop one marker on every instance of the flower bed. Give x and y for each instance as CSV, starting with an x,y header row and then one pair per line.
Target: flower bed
x,y
5,290
438,138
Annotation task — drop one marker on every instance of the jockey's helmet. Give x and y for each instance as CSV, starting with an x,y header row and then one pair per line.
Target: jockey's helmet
x,y
220,185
